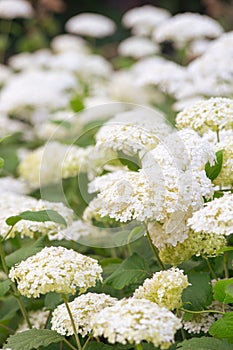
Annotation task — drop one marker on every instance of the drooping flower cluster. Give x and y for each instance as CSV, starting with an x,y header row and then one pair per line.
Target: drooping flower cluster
x,y
55,269
134,320
83,309
164,288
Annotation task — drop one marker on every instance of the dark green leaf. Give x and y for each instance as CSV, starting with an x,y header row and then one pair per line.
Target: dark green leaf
x,y
132,270
26,251
52,300
32,339
39,216
204,343
198,295
213,171
223,328
77,104
4,287
220,291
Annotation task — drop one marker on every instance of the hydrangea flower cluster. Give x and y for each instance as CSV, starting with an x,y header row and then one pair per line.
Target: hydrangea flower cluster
x,y
83,309
215,114
198,244
164,288
215,217
55,269
134,320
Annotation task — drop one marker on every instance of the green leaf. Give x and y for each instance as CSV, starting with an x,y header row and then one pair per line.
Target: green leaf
x,y
32,339
132,270
77,104
223,328
204,343
52,300
26,251
1,162
39,216
213,171
4,287
220,292
197,296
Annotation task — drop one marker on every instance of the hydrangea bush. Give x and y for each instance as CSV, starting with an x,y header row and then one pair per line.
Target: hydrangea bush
x,y
116,209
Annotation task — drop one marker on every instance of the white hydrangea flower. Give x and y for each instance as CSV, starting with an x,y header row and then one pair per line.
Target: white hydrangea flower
x,y
185,27
12,204
78,229
83,309
43,166
215,217
198,244
9,126
225,178
173,230
91,160
143,20
59,126
121,87
133,131
164,288
69,42
11,9
10,184
37,318
166,75
27,60
91,24
36,90
213,114
137,47
132,195
134,320
5,74
62,271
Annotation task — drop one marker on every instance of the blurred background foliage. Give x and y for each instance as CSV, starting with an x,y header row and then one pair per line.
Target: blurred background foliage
x,y
51,15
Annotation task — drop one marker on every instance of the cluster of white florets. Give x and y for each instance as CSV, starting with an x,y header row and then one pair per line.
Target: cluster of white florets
x,y
215,114
215,217
83,309
134,320
164,288
55,269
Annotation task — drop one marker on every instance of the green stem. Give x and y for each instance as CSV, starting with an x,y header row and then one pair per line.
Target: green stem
x,y
69,344
225,259
14,288
155,251
86,342
182,329
7,234
218,136
210,268
72,322
202,311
